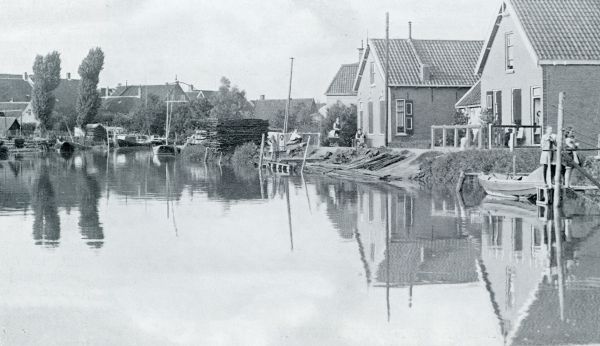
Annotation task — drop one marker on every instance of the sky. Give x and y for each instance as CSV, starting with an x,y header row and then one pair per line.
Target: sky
x,y
249,42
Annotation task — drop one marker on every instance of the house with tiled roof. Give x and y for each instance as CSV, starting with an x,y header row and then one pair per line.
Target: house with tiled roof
x,y
270,109
125,99
470,104
341,88
426,79
536,49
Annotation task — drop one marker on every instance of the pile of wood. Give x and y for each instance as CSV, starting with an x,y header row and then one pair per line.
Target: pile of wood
x,y
377,162
226,135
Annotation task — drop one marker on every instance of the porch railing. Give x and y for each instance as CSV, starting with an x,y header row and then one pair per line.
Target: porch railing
x,y
514,136
452,134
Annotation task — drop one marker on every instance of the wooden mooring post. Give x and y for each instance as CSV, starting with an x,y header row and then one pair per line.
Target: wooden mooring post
x,y
262,148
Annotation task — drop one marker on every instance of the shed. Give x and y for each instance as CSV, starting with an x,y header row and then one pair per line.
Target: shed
x,y
95,133
9,126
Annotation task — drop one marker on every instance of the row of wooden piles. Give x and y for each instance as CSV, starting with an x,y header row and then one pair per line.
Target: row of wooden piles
x,y
226,135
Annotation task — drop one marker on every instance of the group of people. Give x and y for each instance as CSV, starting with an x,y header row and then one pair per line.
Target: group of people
x,y
548,158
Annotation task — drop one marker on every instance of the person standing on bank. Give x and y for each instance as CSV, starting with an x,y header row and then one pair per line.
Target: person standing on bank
x,y
546,158
570,157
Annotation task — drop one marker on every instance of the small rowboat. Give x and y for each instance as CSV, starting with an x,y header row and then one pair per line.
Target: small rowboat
x,y
512,186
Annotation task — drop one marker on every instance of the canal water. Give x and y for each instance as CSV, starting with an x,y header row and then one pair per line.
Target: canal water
x,y
133,250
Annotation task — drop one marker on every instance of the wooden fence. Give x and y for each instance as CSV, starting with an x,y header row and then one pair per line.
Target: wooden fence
x,y
455,134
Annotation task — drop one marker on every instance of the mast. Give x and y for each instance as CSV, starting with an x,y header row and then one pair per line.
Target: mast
x,y
387,76
289,98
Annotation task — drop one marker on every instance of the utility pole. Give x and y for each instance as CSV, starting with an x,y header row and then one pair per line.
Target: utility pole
x,y
387,76
289,99
559,143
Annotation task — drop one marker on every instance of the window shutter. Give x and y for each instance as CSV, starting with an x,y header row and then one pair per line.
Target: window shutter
x,y
382,116
499,106
516,97
370,110
409,117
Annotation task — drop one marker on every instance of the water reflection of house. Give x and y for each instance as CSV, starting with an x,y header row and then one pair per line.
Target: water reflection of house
x,y
420,249
543,291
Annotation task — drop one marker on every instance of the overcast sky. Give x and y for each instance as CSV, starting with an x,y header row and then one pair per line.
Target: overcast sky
x,y
250,42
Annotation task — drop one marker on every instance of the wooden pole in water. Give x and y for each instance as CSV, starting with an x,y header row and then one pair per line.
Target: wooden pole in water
x,y
387,75
289,99
305,152
205,154
262,148
559,142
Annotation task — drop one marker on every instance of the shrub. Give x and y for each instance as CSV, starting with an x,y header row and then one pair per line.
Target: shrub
x,y
445,169
245,154
194,153
19,143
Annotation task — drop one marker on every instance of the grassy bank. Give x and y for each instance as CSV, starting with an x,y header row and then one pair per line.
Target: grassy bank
x,y
444,169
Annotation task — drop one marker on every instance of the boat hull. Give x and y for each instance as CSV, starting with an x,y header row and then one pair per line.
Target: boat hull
x,y
507,187
166,150
122,143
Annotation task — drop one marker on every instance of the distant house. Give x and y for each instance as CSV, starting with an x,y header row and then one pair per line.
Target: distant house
x,y
535,50
16,91
9,126
194,94
95,133
125,99
470,103
270,109
427,78
341,88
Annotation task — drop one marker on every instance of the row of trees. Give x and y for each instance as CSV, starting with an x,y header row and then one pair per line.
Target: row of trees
x,y
47,70
150,114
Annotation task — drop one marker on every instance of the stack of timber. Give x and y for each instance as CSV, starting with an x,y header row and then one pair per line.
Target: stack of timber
x,y
226,135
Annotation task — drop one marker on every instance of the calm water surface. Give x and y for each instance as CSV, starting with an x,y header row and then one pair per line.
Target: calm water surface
x,y
130,250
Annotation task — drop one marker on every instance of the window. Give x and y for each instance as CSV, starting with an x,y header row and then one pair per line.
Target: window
x,y
370,114
489,100
372,72
400,116
510,51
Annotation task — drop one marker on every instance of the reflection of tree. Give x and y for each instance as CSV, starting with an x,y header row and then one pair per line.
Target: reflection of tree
x,y
340,198
89,221
46,225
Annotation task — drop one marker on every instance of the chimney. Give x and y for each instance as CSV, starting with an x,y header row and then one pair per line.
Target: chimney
x,y
262,97
360,51
425,73
25,76
140,92
191,87
410,30
68,75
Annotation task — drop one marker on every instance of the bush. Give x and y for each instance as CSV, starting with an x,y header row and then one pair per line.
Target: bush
x,y
348,129
19,143
445,169
245,154
194,153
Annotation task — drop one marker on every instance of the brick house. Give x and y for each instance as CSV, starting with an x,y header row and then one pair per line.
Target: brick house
x,y
427,78
535,50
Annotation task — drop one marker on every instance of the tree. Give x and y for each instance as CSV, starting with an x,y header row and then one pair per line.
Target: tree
x,y
149,117
230,102
187,117
347,117
88,100
46,78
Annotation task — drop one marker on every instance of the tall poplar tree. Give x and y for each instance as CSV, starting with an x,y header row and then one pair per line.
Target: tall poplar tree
x,y
88,101
46,78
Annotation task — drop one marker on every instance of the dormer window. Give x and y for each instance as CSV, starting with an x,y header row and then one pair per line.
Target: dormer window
x,y
510,51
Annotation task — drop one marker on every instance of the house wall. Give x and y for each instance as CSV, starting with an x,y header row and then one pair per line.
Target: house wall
x,y
525,75
582,101
368,92
346,100
431,106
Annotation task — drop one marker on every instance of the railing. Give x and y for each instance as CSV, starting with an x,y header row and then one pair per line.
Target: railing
x,y
453,138
514,136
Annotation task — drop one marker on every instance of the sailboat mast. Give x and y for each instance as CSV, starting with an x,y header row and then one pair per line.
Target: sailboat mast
x,y
289,98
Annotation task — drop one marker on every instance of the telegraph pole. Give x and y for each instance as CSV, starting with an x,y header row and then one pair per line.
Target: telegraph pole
x,y
387,76
289,99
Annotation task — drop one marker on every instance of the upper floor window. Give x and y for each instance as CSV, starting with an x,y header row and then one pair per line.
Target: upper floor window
x,y
372,72
510,51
